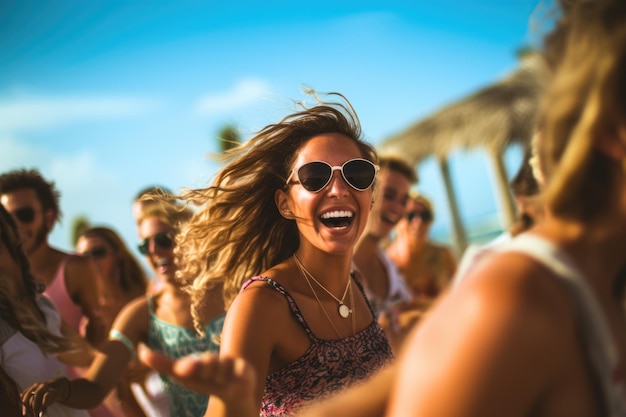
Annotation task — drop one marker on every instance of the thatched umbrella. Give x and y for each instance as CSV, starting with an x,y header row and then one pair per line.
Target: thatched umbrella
x,y
491,118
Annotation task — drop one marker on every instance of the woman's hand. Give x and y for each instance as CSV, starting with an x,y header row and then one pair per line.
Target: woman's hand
x,y
38,397
229,379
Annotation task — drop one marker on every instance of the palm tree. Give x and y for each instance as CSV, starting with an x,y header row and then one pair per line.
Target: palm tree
x,y
228,138
79,224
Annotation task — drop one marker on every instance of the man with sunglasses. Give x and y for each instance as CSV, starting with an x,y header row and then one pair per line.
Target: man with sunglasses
x,y
385,287
70,280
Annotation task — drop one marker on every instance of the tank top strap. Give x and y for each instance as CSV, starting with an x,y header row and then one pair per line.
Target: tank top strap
x,y
292,303
150,300
362,290
600,346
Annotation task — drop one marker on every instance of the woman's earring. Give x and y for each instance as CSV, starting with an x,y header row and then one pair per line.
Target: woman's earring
x,y
287,214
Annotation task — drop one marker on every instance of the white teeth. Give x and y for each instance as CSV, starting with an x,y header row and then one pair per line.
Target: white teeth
x,y
337,214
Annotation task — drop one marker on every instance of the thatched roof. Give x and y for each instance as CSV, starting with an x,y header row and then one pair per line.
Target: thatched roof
x,y
492,117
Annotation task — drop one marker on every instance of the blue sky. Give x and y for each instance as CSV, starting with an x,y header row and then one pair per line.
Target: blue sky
x,y
106,97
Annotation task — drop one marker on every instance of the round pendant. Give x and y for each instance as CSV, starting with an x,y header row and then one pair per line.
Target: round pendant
x,y
344,311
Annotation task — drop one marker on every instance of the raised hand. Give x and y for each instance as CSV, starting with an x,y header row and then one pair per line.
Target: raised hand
x,y
232,380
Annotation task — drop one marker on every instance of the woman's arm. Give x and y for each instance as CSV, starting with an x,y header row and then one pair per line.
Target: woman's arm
x,y
83,353
232,380
106,370
235,379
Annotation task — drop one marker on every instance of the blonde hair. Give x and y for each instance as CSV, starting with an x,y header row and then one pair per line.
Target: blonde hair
x,y
237,231
13,310
585,101
166,209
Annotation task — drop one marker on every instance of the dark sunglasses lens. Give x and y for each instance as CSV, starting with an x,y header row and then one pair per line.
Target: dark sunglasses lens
x,y
25,215
314,176
163,240
359,174
424,215
98,252
143,246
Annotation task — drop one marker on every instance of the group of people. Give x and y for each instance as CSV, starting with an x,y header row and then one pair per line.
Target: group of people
x,y
282,290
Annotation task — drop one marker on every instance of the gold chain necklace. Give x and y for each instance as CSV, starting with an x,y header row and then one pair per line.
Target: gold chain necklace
x,y
302,271
344,310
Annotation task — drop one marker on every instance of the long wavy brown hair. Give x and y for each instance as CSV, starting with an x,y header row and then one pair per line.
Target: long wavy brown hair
x,y
13,310
237,231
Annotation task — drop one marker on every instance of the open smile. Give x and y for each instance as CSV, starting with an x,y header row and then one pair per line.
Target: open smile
x,y
337,218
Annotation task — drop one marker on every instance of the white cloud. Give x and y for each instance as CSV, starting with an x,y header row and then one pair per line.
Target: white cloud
x,y
245,92
32,113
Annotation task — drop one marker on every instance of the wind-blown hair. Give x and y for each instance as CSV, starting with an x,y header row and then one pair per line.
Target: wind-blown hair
x,y
13,310
131,274
238,231
586,100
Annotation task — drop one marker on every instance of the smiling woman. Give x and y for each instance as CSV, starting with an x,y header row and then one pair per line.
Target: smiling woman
x,y
279,225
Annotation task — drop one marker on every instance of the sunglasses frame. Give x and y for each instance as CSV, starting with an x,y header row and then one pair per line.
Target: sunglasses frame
x,y
334,168
424,215
144,245
25,215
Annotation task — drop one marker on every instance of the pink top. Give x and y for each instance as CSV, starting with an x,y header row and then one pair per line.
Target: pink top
x,y
57,292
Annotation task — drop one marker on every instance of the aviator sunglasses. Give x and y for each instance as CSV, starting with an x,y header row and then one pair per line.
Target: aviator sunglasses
x,y
162,240
25,215
315,176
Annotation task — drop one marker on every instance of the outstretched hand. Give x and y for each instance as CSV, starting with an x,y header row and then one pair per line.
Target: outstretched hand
x,y
232,380
38,397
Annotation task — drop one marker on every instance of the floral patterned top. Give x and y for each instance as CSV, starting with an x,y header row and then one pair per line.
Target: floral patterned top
x,y
176,342
328,365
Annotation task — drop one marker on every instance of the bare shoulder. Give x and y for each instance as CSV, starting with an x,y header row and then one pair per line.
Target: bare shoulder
x,y
255,323
518,288
511,305
133,319
259,300
507,331
80,267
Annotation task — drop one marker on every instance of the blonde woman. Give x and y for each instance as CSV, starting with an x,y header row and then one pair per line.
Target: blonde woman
x,y
33,339
278,227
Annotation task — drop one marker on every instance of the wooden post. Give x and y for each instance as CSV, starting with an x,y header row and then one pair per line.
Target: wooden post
x,y
507,208
460,237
